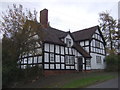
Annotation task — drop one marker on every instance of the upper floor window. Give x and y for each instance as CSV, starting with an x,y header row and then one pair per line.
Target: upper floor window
x,y
68,42
97,44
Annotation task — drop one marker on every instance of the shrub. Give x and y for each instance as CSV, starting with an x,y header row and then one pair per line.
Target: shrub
x,y
112,62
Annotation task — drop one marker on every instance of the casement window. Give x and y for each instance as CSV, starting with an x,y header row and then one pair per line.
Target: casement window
x,y
68,42
69,60
51,57
97,44
88,63
98,60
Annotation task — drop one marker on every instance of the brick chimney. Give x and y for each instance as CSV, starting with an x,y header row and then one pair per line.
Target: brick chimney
x,y
44,18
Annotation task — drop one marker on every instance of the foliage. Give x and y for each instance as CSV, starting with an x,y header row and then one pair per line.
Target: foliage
x,y
112,62
9,70
32,72
17,27
109,26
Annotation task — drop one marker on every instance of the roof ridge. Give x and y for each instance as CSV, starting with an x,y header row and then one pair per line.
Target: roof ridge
x,y
85,29
57,29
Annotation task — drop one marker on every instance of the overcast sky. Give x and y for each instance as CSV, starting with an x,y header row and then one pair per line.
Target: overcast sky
x,y
68,14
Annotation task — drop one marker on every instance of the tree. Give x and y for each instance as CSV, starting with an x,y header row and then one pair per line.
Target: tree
x,y
108,25
17,26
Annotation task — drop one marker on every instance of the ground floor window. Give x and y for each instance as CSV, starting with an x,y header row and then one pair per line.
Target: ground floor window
x,y
98,60
69,60
88,63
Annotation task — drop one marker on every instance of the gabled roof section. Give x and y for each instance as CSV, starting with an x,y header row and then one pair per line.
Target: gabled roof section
x,y
84,34
81,50
52,35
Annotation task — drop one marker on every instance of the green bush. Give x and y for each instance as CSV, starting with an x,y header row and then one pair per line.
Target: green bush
x,y
32,72
112,62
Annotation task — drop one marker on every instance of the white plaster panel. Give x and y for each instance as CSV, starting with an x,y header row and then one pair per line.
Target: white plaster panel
x,y
39,59
51,66
67,67
87,49
76,67
83,60
46,66
86,42
51,48
72,67
46,55
73,50
70,51
83,67
46,48
35,59
88,68
62,66
62,58
57,58
75,60
57,66
62,50
66,50
78,54
57,49
82,43
29,60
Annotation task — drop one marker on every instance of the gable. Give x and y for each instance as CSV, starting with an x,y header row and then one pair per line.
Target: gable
x,y
84,34
98,36
68,37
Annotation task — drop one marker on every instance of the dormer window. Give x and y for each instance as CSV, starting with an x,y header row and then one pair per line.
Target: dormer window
x,y
68,42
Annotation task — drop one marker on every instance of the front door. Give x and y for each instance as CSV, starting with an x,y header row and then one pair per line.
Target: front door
x,y
80,64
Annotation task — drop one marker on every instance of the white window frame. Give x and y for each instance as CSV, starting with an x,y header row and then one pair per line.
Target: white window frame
x,y
51,57
98,60
68,42
69,60
88,62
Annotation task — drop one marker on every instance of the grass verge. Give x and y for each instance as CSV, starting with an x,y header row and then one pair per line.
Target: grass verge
x,y
82,82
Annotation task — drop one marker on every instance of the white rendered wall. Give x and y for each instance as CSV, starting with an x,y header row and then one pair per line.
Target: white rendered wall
x,y
95,65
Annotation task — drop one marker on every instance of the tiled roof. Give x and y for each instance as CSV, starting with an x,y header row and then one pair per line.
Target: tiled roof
x,y
84,34
81,50
53,35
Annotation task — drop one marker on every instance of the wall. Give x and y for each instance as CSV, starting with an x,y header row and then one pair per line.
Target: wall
x,y
59,53
94,65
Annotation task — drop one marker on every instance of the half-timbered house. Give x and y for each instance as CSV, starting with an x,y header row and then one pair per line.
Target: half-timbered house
x,y
62,51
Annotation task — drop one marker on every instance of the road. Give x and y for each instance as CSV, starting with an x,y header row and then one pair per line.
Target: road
x,y
113,83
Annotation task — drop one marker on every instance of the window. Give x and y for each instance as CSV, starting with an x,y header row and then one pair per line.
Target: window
x,y
98,60
97,44
69,60
68,42
88,63
51,57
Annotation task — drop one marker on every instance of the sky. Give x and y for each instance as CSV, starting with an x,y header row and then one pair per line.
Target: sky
x,y
68,15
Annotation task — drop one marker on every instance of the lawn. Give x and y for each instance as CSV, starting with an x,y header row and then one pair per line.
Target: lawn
x,y
71,80
82,82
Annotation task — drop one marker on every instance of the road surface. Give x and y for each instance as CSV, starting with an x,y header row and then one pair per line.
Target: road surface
x,y
113,83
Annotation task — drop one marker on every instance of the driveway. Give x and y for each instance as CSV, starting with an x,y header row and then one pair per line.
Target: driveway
x,y
113,83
